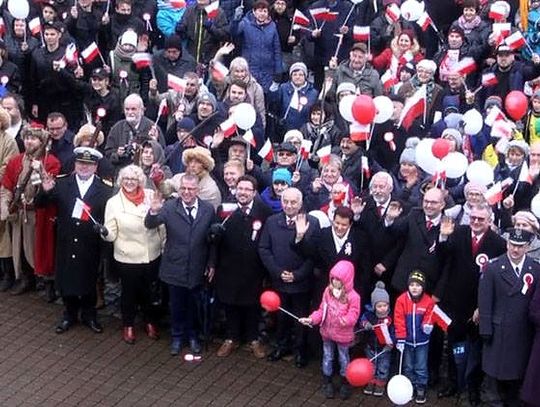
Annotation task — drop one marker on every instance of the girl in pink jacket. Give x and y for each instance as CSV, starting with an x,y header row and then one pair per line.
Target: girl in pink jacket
x,y
337,316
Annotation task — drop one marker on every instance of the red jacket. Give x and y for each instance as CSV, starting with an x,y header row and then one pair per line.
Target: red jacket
x,y
410,318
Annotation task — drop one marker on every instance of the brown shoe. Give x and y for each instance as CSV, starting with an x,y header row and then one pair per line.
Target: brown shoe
x,y
258,349
227,348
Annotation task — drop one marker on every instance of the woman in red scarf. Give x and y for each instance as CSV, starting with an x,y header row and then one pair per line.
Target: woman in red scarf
x,y
137,249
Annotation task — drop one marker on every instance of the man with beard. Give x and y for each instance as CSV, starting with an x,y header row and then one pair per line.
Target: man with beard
x,y
14,105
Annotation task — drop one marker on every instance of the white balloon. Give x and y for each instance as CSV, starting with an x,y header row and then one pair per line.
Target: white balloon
x,y
18,8
400,390
411,10
345,107
355,2
425,158
384,109
535,205
244,116
473,122
455,164
480,172
324,220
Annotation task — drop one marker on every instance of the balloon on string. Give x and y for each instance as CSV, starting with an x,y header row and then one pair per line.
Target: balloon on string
x,y
270,301
244,116
455,164
516,104
359,372
324,220
363,109
411,10
535,205
425,158
345,107
473,122
480,172
384,108
400,390
18,8
440,148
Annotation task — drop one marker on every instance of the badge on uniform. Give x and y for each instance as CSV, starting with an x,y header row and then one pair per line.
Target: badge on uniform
x,y
256,226
527,282
481,260
348,249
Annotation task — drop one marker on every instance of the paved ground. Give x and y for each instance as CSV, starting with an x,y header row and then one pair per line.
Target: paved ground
x,y
79,368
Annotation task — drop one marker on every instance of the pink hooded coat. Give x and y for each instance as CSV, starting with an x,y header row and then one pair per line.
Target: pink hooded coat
x,y
337,319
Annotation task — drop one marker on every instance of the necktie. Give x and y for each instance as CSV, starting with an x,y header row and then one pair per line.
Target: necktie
x,y
517,272
190,213
429,224
290,222
475,245
245,210
380,210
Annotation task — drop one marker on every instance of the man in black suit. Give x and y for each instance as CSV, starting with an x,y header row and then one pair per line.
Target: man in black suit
x,y
239,270
80,199
468,248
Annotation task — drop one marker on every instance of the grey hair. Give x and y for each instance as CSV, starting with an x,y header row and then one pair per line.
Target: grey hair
x,y
382,175
129,170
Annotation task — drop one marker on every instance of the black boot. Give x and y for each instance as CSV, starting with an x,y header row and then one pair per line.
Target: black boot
x,y
328,387
50,292
21,286
344,389
8,276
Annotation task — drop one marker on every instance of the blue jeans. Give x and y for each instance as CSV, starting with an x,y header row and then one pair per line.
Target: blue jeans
x,y
329,348
183,308
415,365
381,363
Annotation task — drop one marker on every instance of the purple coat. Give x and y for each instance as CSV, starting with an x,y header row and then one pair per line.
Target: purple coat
x,y
532,377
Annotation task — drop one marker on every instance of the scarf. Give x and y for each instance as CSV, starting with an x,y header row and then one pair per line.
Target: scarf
x,y
429,88
295,99
136,197
468,26
123,55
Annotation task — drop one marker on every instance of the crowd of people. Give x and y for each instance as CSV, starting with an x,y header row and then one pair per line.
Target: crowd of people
x,y
125,157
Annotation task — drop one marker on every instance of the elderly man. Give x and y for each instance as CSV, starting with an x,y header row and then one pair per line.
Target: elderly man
x,y
14,105
126,137
290,272
185,261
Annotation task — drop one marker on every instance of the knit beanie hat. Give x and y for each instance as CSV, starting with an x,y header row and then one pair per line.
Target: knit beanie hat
x,y
455,135
379,294
493,101
417,276
174,41
346,87
186,124
282,174
409,152
298,66
208,97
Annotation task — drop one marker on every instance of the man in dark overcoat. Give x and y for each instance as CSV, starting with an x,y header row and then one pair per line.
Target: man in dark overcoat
x,y
506,288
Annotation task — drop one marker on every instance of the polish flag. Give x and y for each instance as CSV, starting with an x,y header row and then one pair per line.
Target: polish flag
x,y
502,28
361,33
465,66
406,57
227,208
502,129
489,79
71,55
524,175
300,18
163,109
250,138
494,114
414,108
2,27
359,132
81,210
441,318
424,21
34,25
228,127
142,60
515,41
319,14
176,83
212,10
494,194
330,16
365,166
388,80
497,12
90,52
219,71
178,3
393,12
306,148
324,154
266,152
383,334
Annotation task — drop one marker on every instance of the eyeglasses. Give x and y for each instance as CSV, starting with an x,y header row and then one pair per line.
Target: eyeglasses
x,y
130,180
245,189
477,219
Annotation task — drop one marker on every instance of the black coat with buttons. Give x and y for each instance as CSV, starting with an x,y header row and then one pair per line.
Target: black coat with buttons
x,y
78,246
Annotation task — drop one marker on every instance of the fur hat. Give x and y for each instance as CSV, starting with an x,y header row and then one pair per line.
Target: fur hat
x,y
85,133
5,119
201,154
409,152
379,294
35,130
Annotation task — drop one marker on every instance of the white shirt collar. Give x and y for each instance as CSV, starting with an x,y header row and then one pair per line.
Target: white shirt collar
x,y
84,184
519,265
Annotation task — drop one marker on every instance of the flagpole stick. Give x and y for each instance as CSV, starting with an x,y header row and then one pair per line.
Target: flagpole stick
x,y
289,313
340,41
248,155
24,36
322,25
368,141
101,57
425,106
529,47
369,44
378,354
107,9
401,360
90,215
152,71
348,15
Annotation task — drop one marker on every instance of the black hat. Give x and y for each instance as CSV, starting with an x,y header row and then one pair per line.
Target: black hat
x,y
519,237
417,276
237,140
186,124
173,41
99,73
56,25
87,155
504,49
286,146
458,30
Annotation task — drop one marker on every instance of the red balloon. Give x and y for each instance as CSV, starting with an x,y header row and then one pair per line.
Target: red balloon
x,y
270,301
363,109
359,372
440,148
516,104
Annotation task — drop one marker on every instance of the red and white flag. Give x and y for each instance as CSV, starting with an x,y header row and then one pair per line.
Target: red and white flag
x,y
424,21
494,194
524,175
414,107
359,132
81,210
515,41
71,55
330,16
250,138
497,12
90,52
502,129
163,109
324,153
227,208
361,33
502,28
212,10
219,71
34,25
142,60
176,83
300,18
319,13
228,127
494,114
489,79
305,149
383,334
393,12
441,318
388,80
465,66
266,152
365,166
177,3
406,57
2,27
